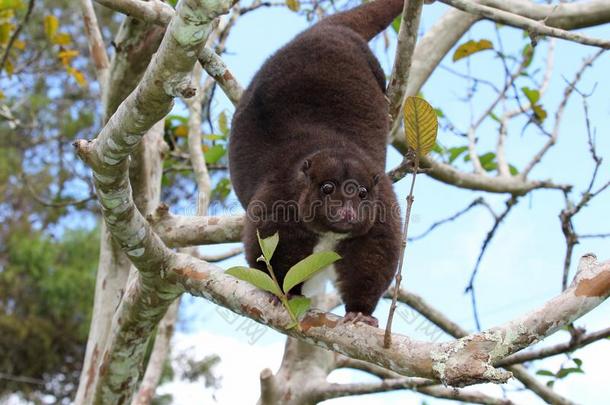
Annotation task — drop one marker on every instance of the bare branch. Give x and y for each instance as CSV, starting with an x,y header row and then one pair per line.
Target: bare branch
x,y
214,258
152,10
559,114
180,231
532,26
97,49
560,348
216,68
568,16
407,36
439,319
515,185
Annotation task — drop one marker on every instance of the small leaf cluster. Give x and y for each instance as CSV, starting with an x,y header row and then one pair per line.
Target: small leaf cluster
x,y
300,272
214,147
61,42
563,372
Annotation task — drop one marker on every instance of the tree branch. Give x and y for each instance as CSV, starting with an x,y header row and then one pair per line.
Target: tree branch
x,y
532,26
155,11
407,36
97,49
448,326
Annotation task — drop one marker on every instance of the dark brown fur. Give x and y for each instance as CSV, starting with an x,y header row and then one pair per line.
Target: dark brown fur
x,y
314,113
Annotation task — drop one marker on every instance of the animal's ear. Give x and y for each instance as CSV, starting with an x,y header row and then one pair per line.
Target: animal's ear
x,y
306,165
376,179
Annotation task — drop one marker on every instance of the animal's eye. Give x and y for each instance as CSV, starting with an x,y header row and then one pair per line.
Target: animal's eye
x,y
327,188
362,192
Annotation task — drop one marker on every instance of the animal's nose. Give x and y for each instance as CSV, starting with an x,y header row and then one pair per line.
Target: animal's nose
x,y
347,213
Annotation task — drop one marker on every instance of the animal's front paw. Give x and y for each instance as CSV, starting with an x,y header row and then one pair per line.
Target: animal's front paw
x,y
355,317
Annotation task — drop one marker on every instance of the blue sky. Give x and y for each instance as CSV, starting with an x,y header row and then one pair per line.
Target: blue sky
x,y
523,265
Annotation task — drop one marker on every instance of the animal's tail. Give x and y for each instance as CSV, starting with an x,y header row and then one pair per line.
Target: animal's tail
x,y
370,18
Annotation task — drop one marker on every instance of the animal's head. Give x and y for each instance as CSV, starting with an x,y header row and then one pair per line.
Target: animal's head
x,y
340,193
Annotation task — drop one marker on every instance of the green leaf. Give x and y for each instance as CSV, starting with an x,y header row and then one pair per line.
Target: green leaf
x,y
438,148
528,54
550,383
539,112
513,170
532,95
268,244
222,189
396,23
255,277
299,305
222,123
545,373
578,362
214,154
421,125
307,267
214,137
471,47
488,161
456,152
179,118
564,372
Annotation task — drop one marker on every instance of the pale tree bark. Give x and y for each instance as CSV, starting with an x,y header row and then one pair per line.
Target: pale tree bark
x,y
134,41
112,370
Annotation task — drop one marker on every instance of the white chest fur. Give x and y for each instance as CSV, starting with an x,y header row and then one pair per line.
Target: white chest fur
x,y
317,284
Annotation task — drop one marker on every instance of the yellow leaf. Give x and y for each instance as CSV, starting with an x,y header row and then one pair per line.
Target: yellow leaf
x,y
5,33
9,67
1,95
11,4
294,5
78,76
470,47
51,23
181,130
19,44
62,38
421,125
6,16
67,56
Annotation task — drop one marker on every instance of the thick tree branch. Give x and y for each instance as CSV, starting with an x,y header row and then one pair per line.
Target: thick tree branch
x,y
462,362
181,231
448,174
147,297
448,326
532,26
568,16
155,11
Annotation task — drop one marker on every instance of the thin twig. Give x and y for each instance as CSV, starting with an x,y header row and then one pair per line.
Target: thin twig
x,y
387,339
474,203
510,203
11,41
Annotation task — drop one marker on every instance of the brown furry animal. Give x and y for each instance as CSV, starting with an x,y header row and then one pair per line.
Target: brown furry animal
x,y
307,157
